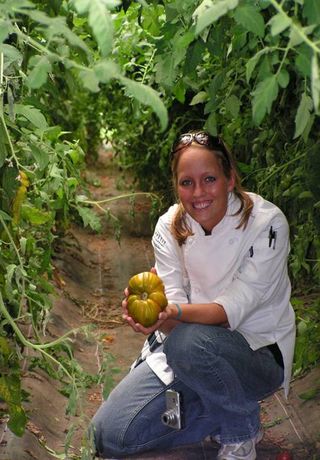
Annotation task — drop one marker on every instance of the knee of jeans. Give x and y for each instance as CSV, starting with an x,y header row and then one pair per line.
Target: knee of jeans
x,y
182,346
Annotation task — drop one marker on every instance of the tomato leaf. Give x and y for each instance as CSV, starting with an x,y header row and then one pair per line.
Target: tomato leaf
x,y
148,96
303,114
263,96
210,11
250,18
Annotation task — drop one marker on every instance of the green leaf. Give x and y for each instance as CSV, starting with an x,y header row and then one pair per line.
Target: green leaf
x,y
11,55
193,56
210,11
74,40
211,124
89,218
233,105
106,70
39,74
17,419
303,60
57,26
4,215
5,350
165,70
10,392
263,96
250,18
251,64
279,23
34,215
10,271
283,78
32,114
311,11
89,80
82,6
199,98
315,82
180,45
5,29
40,155
297,38
303,114
102,26
310,394
305,194
179,91
148,96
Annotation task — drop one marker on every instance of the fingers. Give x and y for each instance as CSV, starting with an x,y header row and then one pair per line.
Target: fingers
x,y
153,270
137,327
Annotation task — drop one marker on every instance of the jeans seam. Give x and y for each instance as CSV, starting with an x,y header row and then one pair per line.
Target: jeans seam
x,y
136,412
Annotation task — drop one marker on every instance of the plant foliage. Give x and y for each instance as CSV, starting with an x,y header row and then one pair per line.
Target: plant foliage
x,y
52,55
137,73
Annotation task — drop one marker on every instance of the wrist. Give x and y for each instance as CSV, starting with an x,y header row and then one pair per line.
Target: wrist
x,y
175,311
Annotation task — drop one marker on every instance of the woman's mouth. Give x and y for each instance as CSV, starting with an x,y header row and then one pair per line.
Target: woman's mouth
x,y
201,205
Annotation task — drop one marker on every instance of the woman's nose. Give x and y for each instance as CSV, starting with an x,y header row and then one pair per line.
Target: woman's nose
x,y
198,189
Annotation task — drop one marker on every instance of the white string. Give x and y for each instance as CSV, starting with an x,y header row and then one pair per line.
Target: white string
x,y
289,418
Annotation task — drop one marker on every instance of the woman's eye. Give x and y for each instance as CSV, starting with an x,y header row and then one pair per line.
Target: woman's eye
x,y
185,182
210,179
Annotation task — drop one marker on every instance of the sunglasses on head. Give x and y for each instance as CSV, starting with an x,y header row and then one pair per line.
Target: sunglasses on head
x,y
201,138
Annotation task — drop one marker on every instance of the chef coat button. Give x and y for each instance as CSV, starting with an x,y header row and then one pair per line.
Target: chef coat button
x,y
231,241
197,290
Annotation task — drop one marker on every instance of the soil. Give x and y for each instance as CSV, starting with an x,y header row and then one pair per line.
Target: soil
x,y
91,271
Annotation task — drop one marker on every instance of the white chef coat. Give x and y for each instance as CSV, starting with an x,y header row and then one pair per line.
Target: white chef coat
x,y
244,270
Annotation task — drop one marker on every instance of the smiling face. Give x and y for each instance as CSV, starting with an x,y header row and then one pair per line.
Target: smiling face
x,y
202,185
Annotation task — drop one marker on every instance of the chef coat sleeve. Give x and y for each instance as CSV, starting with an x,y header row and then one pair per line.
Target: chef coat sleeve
x,y
262,278
169,263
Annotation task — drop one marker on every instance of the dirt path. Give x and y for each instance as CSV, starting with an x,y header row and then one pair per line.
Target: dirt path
x,y
91,272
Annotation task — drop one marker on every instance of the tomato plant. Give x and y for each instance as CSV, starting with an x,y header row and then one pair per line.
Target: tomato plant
x,y
53,55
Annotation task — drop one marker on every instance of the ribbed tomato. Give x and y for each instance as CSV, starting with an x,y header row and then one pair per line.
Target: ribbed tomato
x,y
146,298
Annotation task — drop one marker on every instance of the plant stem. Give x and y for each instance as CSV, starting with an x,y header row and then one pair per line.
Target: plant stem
x,y
119,197
296,27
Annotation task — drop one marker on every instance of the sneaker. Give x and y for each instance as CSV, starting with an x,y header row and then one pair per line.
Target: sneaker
x,y
245,450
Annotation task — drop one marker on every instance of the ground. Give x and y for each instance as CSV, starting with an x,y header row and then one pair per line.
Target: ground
x,y
91,272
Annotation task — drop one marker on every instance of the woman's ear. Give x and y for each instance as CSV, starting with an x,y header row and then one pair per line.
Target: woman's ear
x,y
232,181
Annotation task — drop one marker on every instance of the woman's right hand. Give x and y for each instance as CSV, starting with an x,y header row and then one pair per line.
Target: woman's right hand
x,y
137,327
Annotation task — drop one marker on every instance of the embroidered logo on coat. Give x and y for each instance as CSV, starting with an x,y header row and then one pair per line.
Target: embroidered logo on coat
x,y
158,239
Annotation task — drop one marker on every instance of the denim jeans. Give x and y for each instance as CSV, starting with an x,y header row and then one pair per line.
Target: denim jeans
x,y
220,379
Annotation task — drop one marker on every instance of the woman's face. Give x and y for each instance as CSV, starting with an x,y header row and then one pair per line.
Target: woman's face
x,y
202,186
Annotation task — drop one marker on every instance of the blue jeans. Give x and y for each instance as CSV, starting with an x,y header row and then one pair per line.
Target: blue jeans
x,y
220,378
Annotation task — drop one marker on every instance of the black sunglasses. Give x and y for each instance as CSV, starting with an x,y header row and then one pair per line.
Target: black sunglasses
x,y
201,138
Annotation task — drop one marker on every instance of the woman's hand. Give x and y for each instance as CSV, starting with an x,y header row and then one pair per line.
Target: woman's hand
x,y
137,327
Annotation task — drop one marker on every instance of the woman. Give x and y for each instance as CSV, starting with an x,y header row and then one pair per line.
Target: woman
x,y
226,338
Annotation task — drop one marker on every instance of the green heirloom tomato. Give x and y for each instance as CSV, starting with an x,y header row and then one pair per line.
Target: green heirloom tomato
x,y
146,298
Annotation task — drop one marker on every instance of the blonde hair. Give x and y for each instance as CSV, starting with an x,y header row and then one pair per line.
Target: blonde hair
x,y
179,226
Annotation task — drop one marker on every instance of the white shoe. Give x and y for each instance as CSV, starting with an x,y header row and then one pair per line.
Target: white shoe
x,y
245,450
